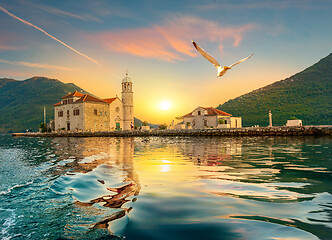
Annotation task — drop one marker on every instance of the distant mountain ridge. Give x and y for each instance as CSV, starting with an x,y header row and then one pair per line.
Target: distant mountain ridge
x,y
306,95
22,102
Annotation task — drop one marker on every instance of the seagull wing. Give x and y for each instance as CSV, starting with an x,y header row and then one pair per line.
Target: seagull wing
x,y
240,61
206,55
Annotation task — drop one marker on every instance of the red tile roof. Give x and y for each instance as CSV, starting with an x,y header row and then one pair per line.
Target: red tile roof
x,y
188,114
74,94
214,111
109,100
86,98
89,98
57,104
210,112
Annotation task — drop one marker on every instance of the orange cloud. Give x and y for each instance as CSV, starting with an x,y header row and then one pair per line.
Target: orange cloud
x,y
171,40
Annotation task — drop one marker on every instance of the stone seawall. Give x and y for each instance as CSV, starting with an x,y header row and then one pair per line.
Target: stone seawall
x,y
227,132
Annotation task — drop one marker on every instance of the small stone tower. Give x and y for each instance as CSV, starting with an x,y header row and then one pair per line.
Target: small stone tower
x,y
128,103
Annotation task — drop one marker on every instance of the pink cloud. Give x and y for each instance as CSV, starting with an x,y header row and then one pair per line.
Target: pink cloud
x,y
171,40
7,47
8,42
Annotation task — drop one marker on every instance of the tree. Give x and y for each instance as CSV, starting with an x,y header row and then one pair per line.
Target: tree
x,y
221,121
43,127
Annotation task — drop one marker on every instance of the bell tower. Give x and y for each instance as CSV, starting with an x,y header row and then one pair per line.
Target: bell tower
x,y
128,103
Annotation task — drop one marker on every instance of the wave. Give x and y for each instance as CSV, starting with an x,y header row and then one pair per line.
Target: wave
x,y
95,157
10,221
4,192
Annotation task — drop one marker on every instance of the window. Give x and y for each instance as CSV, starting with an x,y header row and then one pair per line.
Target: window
x,y
60,114
76,112
95,112
67,113
205,123
105,113
199,113
64,101
70,101
117,109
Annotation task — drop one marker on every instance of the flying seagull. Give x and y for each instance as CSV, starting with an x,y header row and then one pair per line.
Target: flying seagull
x,y
221,70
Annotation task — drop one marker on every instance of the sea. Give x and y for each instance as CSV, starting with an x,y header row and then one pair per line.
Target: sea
x,y
167,188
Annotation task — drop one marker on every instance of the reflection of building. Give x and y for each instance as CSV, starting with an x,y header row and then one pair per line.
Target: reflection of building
x,y
210,117
207,152
83,112
105,167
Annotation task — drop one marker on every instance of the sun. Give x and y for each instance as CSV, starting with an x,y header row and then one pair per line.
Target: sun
x,y
164,105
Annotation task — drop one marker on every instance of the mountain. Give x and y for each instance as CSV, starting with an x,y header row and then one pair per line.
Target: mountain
x,y
22,102
306,95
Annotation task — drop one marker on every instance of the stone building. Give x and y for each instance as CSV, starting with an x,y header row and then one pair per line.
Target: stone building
x,y
209,117
128,103
82,112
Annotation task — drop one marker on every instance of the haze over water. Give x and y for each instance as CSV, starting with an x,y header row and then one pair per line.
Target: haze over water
x,y
165,188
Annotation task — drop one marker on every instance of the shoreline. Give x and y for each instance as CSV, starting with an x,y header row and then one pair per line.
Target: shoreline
x,y
324,130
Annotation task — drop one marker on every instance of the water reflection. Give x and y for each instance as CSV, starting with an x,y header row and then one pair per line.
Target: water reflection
x,y
99,174
179,188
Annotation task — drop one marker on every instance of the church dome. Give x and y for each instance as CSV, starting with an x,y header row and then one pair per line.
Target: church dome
x,y
126,79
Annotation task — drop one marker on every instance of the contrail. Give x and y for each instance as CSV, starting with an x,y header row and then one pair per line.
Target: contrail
x,y
47,34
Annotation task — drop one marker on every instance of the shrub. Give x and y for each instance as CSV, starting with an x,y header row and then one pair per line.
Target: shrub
x,y
163,126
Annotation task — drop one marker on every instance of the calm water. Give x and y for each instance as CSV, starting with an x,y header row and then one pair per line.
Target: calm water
x,y
165,188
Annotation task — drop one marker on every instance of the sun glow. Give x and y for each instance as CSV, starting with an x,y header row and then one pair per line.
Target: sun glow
x,y
164,105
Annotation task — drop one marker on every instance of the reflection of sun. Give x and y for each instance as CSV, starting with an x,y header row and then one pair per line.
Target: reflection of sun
x,y
164,105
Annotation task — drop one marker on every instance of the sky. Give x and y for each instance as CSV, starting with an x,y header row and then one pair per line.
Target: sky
x,y
93,43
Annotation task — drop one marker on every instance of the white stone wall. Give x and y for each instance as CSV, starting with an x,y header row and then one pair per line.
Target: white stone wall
x,y
76,122
116,114
180,126
128,105
200,121
236,122
99,122
292,123
199,112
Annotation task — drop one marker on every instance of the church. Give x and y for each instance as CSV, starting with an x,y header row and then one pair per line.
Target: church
x,y
78,112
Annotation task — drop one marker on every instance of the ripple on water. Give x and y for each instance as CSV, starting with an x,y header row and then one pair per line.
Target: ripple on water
x,y
7,220
168,188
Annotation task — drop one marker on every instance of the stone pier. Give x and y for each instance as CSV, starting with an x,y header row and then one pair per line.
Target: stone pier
x,y
223,132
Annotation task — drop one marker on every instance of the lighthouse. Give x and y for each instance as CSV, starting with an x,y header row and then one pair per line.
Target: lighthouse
x,y
128,103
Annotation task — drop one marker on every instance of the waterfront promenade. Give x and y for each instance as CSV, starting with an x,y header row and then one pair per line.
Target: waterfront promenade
x,y
227,132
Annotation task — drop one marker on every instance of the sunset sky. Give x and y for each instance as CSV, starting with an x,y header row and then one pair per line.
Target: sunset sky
x,y
92,43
